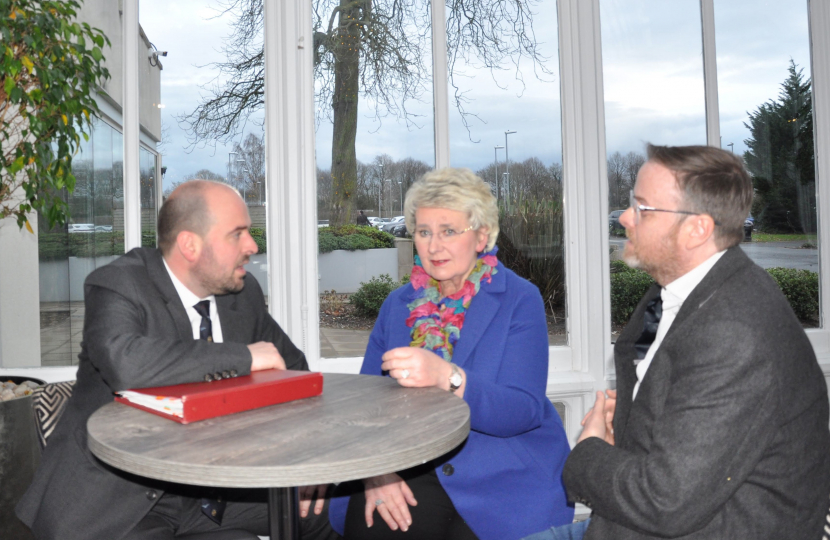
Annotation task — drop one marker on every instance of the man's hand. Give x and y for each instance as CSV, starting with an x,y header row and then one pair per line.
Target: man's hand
x,y
265,356
610,409
395,497
308,494
594,424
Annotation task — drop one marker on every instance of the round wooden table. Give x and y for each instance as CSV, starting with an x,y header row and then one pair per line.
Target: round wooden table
x,y
360,426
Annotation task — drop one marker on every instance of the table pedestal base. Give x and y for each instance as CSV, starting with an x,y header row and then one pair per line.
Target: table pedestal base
x,y
283,514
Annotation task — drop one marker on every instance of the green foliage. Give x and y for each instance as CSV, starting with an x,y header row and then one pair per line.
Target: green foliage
x,y
51,67
371,294
55,246
801,289
258,235
530,244
628,286
780,158
352,237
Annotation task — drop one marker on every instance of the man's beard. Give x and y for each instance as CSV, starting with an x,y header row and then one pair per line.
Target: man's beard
x,y
211,278
662,265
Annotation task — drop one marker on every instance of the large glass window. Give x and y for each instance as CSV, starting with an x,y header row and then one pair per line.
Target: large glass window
x,y
373,90
506,126
766,116
652,67
93,237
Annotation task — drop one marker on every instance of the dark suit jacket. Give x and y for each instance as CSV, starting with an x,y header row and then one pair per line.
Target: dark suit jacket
x,y
728,437
136,334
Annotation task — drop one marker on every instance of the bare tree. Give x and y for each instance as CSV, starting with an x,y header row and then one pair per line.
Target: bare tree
x,y
374,49
250,174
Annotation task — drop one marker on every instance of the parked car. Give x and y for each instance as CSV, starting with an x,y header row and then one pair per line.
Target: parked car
x,y
381,221
81,227
399,230
322,223
749,223
373,221
397,220
614,219
103,228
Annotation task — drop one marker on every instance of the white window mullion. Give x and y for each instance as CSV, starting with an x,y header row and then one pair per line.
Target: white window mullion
x,y
290,179
819,16
710,73
440,84
131,127
586,210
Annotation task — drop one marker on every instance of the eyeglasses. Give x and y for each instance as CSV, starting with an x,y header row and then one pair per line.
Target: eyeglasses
x,y
444,235
639,208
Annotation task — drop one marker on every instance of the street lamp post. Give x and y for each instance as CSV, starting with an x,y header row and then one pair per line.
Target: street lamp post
x,y
496,155
507,167
400,188
731,147
229,163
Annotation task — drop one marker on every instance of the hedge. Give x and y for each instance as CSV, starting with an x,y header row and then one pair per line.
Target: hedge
x,y
628,286
352,237
61,245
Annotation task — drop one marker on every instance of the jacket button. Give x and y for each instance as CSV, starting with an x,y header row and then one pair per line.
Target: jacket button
x,y
448,469
208,377
233,373
151,495
226,374
217,376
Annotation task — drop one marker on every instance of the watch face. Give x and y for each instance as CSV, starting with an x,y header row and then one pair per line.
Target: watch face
x,y
455,378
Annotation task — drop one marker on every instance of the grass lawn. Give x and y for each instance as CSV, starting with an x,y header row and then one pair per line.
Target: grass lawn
x,y
769,237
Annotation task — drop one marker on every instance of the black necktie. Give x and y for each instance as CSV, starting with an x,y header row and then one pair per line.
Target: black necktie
x,y
651,320
212,508
205,328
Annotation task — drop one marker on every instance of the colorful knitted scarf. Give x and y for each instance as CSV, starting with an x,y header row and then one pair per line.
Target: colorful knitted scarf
x,y
436,322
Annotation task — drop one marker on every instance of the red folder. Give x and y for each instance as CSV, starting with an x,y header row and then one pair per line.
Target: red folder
x,y
204,400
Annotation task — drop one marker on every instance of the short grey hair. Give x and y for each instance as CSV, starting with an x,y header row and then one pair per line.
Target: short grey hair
x,y
455,189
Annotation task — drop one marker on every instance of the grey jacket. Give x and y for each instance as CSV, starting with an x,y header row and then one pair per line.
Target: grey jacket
x,y
136,334
728,437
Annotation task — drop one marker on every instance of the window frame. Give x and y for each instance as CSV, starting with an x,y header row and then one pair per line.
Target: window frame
x,y
586,363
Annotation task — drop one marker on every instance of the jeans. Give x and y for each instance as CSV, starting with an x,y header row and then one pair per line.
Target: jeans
x,y
572,531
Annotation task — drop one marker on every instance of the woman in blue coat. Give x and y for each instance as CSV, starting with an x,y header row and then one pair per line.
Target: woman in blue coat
x,y
468,325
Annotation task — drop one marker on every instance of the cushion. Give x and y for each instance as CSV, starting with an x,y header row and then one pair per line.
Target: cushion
x,y
49,401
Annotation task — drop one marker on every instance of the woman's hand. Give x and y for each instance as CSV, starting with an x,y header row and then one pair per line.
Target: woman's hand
x,y
308,494
395,498
416,367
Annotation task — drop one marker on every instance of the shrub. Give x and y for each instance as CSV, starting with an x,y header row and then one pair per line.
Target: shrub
x,y
620,266
352,237
371,294
801,289
627,289
258,234
530,243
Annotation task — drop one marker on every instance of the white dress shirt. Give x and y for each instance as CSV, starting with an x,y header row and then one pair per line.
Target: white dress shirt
x,y
189,300
673,295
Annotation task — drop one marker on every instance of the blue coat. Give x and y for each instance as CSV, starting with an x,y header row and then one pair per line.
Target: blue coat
x,y
507,480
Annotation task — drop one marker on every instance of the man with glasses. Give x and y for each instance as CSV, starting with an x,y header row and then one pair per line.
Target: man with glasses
x,y
718,428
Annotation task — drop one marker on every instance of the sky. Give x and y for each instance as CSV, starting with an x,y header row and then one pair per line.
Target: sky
x,y
652,69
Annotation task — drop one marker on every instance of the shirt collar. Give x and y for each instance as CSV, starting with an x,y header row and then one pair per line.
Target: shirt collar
x,y
188,298
676,292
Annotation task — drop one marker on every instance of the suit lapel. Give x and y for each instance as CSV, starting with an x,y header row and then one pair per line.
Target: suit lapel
x,y
232,320
652,387
161,278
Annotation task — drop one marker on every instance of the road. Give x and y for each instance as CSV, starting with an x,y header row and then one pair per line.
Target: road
x,y
770,254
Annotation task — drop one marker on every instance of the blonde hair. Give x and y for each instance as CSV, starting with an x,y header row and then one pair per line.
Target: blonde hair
x,y
455,189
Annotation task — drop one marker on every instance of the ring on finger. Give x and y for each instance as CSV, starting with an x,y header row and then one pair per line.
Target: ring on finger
x,y
378,502
405,374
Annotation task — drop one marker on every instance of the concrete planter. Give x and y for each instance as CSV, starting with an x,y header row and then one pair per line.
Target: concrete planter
x,y
343,271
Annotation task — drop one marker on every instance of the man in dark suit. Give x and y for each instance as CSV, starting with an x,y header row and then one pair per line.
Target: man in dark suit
x,y
184,313
720,417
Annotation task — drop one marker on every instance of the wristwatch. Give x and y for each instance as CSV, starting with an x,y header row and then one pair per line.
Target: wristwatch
x,y
456,379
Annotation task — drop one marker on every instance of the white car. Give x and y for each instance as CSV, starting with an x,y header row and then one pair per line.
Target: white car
x,y
81,227
387,227
380,222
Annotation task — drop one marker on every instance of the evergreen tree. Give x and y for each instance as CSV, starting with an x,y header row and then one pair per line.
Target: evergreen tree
x,y
780,158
